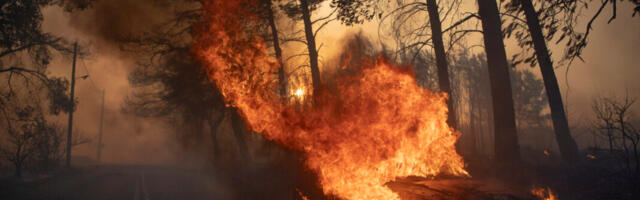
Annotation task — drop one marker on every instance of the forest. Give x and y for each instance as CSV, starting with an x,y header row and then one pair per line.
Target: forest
x,y
319,99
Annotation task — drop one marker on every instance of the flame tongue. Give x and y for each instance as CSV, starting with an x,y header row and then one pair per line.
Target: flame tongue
x,y
543,193
378,126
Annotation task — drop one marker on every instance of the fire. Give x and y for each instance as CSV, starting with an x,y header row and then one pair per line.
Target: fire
x,y
299,93
543,193
302,196
377,126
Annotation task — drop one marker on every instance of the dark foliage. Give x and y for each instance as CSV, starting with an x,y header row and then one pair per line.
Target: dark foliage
x,y
352,12
292,8
559,21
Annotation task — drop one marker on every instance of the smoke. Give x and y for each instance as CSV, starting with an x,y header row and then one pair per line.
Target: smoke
x,y
100,29
106,23
115,20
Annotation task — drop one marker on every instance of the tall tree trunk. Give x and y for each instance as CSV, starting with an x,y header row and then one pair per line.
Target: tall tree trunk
x,y
568,147
507,151
238,131
441,60
277,49
311,45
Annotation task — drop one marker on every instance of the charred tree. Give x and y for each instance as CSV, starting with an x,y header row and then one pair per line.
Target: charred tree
x,y
441,58
311,44
566,144
507,150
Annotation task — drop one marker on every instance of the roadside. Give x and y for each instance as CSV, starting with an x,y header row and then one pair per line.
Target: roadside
x,y
115,182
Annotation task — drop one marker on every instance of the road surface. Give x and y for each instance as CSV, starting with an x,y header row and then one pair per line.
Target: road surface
x,y
118,182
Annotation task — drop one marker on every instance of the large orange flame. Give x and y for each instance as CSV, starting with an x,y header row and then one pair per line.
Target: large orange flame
x,y
379,125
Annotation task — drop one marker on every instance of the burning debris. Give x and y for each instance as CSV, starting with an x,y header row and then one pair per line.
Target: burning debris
x,y
546,153
378,126
543,193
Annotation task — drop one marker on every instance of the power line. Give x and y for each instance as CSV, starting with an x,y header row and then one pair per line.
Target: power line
x,y
84,65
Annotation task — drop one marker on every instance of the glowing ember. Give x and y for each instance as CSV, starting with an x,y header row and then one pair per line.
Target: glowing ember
x,y
591,156
546,153
377,125
302,196
543,193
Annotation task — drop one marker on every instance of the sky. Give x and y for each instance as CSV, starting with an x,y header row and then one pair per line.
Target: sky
x,y
610,68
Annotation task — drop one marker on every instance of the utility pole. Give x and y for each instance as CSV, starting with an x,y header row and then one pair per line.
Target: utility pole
x,y
71,106
100,130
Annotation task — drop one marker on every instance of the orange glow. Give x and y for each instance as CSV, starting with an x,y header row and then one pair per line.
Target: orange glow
x,y
377,125
302,196
543,193
546,153
591,156
299,93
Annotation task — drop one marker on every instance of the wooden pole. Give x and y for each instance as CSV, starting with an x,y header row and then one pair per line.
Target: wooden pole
x,y
71,106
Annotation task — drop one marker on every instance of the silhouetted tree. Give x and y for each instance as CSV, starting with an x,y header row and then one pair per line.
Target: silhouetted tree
x,y
21,36
171,81
302,10
553,19
604,119
441,58
28,140
614,116
25,53
560,21
18,144
568,147
578,41
271,20
507,150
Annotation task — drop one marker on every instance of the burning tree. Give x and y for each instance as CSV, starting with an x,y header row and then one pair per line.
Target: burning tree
x,y
377,125
171,83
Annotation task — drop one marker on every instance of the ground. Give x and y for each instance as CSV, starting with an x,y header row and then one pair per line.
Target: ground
x,y
157,182
589,179
115,182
